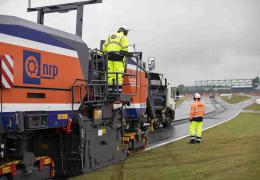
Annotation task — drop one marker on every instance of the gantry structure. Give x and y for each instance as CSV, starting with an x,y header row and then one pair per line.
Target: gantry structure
x,y
228,83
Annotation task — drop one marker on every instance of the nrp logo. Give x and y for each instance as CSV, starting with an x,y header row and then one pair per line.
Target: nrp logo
x,y
34,70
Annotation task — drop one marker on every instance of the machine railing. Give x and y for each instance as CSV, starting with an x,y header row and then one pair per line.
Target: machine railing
x,y
96,90
116,85
93,91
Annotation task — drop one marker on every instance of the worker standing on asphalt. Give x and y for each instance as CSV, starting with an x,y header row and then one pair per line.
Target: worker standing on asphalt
x,y
114,43
196,117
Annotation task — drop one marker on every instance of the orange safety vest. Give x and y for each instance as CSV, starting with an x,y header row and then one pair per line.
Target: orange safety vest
x,y
197,109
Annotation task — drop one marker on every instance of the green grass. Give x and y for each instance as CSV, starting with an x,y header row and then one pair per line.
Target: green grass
x,y
228,151
254,106
235,98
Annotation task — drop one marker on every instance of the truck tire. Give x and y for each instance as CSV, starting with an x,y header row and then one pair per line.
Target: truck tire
x,y
167,123
170,114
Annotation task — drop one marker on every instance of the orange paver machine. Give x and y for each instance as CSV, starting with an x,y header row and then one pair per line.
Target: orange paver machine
x,y
58,115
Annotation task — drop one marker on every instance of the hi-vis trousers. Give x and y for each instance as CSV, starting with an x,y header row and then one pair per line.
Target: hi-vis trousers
x,y
196,129
115,66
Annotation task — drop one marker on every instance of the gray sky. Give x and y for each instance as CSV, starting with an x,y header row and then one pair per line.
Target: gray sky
x,y
190,39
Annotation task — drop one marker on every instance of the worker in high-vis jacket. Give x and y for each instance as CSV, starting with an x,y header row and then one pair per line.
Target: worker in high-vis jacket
x,y
196,118
116,42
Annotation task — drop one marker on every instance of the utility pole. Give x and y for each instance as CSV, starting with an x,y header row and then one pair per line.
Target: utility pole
x,y
64,8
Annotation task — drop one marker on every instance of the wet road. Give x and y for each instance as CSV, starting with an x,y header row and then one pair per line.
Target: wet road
x,y
183,110
222,112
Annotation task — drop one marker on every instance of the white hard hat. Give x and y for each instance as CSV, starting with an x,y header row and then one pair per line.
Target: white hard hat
x,y
197,96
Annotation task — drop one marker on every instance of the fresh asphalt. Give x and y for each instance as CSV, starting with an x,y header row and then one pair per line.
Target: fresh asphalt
x,y
217,112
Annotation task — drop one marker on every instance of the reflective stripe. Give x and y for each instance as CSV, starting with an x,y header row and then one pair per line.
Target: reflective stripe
x,y
114,42
192,137
119,89
114,91
112,88
121,39
198,138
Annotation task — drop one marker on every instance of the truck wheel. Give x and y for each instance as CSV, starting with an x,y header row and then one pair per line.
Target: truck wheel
x,y
169,118
167,123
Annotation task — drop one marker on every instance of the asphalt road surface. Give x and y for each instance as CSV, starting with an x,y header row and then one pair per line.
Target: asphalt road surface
x,y
183,110
218,111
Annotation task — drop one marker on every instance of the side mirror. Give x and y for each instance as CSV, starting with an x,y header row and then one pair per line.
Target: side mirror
x,y
144,65
151,63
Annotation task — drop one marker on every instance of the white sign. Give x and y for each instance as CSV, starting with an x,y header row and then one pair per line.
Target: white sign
x,y
100,132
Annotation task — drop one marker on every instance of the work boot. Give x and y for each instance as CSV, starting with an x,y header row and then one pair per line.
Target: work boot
x,y
198,140
192,141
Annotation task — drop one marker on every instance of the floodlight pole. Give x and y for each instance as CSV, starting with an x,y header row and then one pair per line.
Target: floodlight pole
x,y
62,8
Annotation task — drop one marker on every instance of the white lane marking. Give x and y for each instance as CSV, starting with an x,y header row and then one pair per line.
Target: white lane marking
x,y
164,143
36,45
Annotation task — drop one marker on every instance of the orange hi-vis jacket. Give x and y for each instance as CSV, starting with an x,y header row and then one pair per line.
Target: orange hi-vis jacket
x,y
197,109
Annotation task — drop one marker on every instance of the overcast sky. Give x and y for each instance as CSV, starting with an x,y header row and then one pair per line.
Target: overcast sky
x,y
190,39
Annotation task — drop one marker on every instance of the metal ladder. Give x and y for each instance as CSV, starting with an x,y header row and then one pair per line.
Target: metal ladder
x,y
93,91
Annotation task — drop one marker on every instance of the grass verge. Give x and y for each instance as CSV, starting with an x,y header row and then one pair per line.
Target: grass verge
x,y
254,106
235,98
228,151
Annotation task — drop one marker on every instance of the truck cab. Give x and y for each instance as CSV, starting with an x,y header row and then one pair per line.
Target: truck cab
x,y
162,99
